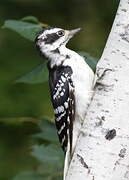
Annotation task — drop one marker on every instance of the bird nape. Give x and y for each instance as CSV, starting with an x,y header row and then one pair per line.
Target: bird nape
x,y
71,83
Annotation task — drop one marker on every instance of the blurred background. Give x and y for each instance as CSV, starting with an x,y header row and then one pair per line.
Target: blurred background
x,y
23,105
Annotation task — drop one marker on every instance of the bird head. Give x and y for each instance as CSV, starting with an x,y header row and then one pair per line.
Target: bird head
x,y
51,39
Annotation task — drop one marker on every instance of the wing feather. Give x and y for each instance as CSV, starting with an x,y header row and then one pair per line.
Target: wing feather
x,y
63,100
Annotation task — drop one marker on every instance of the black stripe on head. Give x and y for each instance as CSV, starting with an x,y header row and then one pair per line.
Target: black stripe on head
x,y
51,38
41,32
38,41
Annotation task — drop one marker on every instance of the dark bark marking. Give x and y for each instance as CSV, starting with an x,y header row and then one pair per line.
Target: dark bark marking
x,y
113,52
118,24
122,153
99,123
124,10
100,77
81,159
126,175
110,134
103,118
99,104
125,35
99,84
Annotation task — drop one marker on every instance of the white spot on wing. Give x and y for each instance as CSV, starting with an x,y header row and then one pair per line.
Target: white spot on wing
x,y
59,118
62,93
63,139
61,129
68,119
59,89
66,105
60,109
63,78
66,75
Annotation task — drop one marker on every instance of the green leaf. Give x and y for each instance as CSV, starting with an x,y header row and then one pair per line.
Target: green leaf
x,y
50,170
28,176
37,75
50,154
91,61
17,120
25,29
31,19
48,132
53,175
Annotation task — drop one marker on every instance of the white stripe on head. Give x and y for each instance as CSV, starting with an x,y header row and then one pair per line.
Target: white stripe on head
x,y
49,31
54,30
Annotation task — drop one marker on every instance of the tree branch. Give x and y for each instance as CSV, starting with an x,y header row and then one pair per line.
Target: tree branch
x,y
102,151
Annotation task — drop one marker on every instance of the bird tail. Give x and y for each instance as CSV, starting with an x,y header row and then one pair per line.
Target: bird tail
x,y
67,162
70,151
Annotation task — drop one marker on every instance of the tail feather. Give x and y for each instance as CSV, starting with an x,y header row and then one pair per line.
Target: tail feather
x,y
69,153
67,162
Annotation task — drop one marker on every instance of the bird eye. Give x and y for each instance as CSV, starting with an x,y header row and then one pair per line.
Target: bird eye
x,y
60,33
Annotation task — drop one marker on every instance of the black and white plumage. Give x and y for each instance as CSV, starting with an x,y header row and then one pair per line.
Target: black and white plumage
x,y
70,81
63,100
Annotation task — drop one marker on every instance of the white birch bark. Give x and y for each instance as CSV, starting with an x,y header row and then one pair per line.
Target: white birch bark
x,y
102,151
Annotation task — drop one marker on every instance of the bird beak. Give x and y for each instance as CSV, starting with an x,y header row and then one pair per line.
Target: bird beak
x,y
71,33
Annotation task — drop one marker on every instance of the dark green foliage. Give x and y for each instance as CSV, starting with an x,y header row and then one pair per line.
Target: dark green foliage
x,y
28,176
30,19
47,133
36,176
37,75
48,154
25,29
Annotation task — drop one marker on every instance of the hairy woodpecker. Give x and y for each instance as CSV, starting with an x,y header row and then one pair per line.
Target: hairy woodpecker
x,y
70,81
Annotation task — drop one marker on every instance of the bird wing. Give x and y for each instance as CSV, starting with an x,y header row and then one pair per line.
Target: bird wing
x,y
63,100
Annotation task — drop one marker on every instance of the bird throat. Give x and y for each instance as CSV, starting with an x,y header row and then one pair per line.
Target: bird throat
x,y
58,56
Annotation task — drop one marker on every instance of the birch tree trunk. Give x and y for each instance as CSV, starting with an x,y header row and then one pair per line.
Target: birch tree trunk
x,y
102,151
